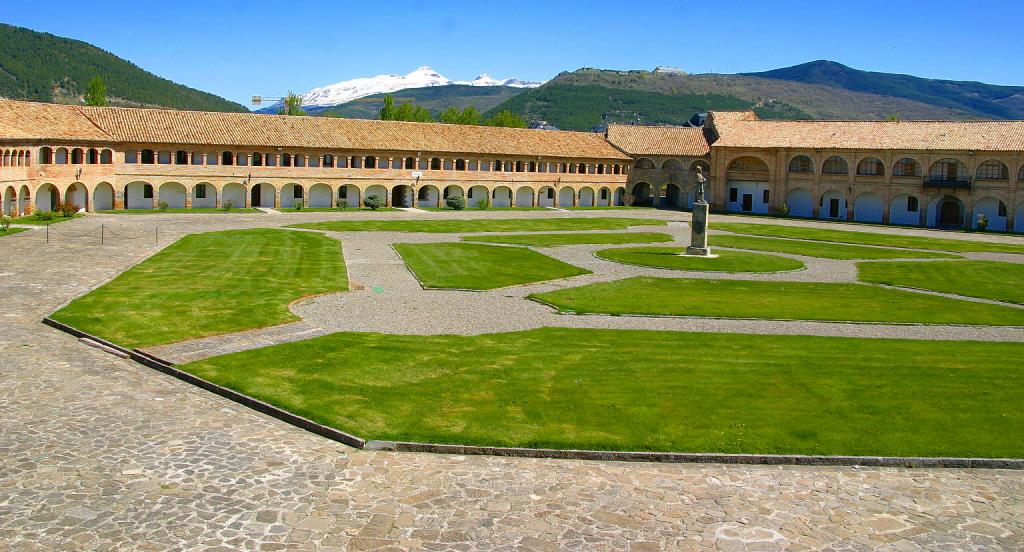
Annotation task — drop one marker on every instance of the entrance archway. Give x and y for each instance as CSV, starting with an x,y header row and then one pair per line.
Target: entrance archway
x,y
10,202
233,193
502,197
642,194
77,195
950,214
47,198
524,197
401,196
800,203
173,194
868,208
427,196
103,197
566,196
586,197
320,196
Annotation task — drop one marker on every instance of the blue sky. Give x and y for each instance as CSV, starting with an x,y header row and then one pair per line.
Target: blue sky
x,y
237,48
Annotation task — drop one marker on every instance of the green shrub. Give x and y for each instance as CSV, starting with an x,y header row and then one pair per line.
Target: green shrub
x,y
228,205
297,205
44,215
982,222
784,209
67,209
5,222
162,206
374,201
456,202
341,203
482,204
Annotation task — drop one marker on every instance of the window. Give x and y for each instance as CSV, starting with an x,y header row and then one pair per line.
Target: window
x,y
181,157
211,159
993,170
906,167
286,160
1002,209
343,192
147,157
945,169
801,164
227,158
644,163
130,157
912,204
147,191
197,158
519,166
870,166
200,191
106,157
296,192
328,160
733,194
371,162
410,162
835,165
604,193
764,197
257,159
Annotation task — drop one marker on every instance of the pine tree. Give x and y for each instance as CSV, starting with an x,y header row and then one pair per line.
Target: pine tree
x,y
96,93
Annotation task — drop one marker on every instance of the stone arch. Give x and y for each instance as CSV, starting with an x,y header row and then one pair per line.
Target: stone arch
x,y
948,169
994,209
946,212
477,194
292,194
672,165
77,156
77,194
907,167
835,165
546,196
92,156
46,155
905,209
587,198
800,203
262,195
60,157
750,164
801,164
675,196
992,169
350,194
47,197
174,193
642,193
321,196
868,207
204,196
24,200
605,197
376,190
453,190
501,196
524,197
870,166
402,196
832,206
103,197
10,207
643,163
427,196
138,195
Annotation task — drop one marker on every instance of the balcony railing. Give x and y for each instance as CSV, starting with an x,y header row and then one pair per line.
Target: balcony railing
x,y
962,183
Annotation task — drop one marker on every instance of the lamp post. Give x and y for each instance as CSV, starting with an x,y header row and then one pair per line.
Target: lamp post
x,y
699,221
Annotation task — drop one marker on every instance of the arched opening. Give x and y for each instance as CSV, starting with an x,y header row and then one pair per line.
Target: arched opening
x,y
173,193
946,212
604,197
905,209
672,165
642,194
868,207
477,197
435,164
262,195
948,170
992,170
10,207
674,196
24,201
832,206
906,167
227,158
349,194
587,197
524,197
994,210
401,196
546,196
77,195
869,166
233,193
801,164
501,197
61,156
47,198
286,160
376,190
257,159
77,156
800,203
204,196
329,161
835,165
46,156
103,197
452,191
147,157
320,196
181,157
292,196
92,156
410,162
643,163
138,195
371,162
427,196
532,167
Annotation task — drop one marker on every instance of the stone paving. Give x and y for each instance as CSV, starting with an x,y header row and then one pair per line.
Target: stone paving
x,y
98,453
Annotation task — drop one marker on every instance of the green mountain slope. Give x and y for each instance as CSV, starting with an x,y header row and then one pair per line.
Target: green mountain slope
x,y
434,98
989,100
44,67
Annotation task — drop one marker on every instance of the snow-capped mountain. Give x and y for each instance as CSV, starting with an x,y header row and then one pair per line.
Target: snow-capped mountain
x,y
346,91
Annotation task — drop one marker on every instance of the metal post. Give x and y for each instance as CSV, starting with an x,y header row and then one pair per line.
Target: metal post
x,y
156,230
47,233
102,232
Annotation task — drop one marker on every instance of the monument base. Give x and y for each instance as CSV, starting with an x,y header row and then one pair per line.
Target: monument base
x,y
699,252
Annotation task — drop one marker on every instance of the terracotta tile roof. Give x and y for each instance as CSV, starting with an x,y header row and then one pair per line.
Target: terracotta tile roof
x,y
659,140
742,130
250,130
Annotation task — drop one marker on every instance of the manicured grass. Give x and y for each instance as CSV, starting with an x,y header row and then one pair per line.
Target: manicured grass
x,y
554,240
825,250
209,284
639,390
726,261
776,300
475,266
334,210
481,225
868,238
446,209
608,207
986,279
33,221
11,231
197,210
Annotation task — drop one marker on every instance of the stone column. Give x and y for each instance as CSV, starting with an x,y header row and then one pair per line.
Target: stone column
x,y
188,197
248,197
277,198
217,199
440,197
387,198
698,230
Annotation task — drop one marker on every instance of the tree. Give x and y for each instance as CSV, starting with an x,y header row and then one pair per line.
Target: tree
x,y
292,105
506,119
404,112
452,116
96,93
387,113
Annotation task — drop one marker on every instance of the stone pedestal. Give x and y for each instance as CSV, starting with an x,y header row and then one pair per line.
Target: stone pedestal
x,y
699,231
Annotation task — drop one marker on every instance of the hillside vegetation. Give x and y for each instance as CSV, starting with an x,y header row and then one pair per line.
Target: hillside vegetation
x,y
433,98
47,68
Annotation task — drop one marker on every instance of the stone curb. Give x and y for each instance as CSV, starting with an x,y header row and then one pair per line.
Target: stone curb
x,y
333,434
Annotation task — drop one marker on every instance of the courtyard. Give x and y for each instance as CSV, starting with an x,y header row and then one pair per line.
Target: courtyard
x,y
788,368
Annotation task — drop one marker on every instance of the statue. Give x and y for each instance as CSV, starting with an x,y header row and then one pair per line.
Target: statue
x,y
700,185
699,221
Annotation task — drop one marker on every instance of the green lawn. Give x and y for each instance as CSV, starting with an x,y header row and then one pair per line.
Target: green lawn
x,y
197,210
481,225
986,279
554,240
209,284
33,221
868,238
468,208
334,210
607,207
726,261
825,250
639,390
476,266
11,231
776,300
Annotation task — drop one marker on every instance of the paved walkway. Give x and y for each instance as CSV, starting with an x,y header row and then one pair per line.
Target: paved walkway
x,y
98,453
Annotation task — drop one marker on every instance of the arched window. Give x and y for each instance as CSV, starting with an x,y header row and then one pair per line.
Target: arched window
x,y
299,160
410,162
257,159
148,157
164,157
801,164
519,166
532,167
992,170
906,167
328,160
497,165
92,156
227,158
582,168
61,156
76,156
644,163
572,168
197,157
106,157
181,157
835,165
947,170
870,166
286,160
460,164
435,164
46,156
371,162
672,165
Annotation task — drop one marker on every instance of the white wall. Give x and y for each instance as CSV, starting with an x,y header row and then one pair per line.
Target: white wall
x,y
476,194
78,196
501,197
524,197
898,213
990,207
174,195
133,197
824,211
103,197
431,197
586,197
320,195
209,201
235,193
377,190
867,208
756,191
565,197
44,198
607,201
351,195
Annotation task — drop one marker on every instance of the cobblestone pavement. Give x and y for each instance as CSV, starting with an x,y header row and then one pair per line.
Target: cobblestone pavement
x,y
98,453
